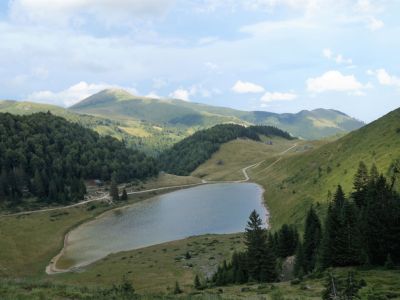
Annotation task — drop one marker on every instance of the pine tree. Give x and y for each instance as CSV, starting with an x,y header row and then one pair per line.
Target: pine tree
x,y
349,245
287,241
300,266
114,191
38,184
312,240
256,241
360,184
177,289
261,261
124,196
197,283
373,173
332,237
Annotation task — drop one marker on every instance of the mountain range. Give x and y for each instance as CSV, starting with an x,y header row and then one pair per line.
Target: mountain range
x,y
156,124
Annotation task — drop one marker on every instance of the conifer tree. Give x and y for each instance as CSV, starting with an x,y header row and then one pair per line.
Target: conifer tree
x,y
124,196
114,191
349,242
312,240
261,261
332,241
288,238
300,266
177,289
197,283
360,184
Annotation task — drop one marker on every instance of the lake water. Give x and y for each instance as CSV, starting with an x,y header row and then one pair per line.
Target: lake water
x,y
212,208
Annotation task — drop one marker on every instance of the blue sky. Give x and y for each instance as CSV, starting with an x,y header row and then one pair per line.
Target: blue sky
x,y
273,55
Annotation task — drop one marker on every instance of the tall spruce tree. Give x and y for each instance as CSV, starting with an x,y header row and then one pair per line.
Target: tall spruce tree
x,y
288,238
332,238
114,191
349,245
299,263
312,240
261,262
360,184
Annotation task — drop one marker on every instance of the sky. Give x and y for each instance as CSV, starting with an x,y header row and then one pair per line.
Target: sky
x,y
272,55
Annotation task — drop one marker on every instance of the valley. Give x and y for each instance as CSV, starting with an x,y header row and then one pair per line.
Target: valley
x,y
281,165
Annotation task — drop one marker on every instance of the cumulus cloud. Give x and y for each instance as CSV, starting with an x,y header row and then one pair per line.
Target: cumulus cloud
x,y
181,94
334,81
62,11
385,78
73,94
338,58
153,95
244,87
277,96
374,24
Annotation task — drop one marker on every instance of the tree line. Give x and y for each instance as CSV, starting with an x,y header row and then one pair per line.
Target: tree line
x,y
48,158
186,155
361,229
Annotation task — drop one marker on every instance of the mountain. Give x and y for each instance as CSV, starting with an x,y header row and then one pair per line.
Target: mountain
x,y
310,177
119,104
142,135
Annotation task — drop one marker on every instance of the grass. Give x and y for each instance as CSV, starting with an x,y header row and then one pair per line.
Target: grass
x,y
154,269
29,242
309,177
227,163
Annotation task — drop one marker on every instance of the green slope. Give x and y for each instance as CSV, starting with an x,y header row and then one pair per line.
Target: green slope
x,y
298,180
119,104
142,135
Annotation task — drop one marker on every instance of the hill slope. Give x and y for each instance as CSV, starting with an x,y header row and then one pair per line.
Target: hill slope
x,y
142,135
298,180
185,156
119,104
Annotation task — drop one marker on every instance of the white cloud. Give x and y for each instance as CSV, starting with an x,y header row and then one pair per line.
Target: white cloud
x,y
327,53
341,60
66,11
73,94
277,96
334,81
153,95
181,94
211,66
385,78
374,24
243,87
338,58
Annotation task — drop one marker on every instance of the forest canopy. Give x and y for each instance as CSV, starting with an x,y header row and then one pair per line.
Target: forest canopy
x,y
185,156
47,157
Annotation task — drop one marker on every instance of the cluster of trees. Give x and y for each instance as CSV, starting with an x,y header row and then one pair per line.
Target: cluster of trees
x,y
186,155
363,229
47,157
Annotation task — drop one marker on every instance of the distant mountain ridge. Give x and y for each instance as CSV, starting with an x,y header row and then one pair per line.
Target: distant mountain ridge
x,y
120,104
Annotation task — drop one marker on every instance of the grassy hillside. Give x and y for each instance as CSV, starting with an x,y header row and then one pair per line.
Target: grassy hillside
x,y
298,180
184,157
142,135
227,163
120,105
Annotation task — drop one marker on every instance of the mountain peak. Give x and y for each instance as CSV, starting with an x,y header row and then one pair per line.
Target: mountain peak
x,y
110,95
